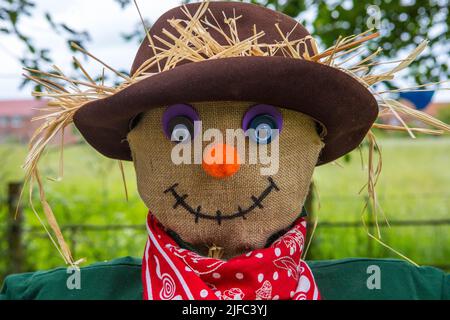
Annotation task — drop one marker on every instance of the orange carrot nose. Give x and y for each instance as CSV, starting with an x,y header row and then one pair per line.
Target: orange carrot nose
x,y
221,161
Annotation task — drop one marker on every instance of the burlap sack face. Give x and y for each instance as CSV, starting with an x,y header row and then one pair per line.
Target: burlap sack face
x,y
299,148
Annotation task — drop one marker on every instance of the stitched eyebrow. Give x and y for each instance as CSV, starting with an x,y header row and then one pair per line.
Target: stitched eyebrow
x,y
219,216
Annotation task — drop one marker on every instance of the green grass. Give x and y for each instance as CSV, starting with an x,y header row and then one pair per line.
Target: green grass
x,y
413,186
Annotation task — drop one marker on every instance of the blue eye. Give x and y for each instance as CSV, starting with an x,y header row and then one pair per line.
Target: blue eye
x,y
263,129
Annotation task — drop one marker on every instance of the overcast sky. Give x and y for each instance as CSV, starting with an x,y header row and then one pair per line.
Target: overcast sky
x,y
103,19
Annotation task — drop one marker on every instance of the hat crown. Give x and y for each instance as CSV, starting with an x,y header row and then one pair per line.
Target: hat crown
x,y
252,18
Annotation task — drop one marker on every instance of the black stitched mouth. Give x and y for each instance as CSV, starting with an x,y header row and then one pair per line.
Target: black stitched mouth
x,y
219,216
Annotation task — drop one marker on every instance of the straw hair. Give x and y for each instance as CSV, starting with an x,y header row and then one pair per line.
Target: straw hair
x,y
194,43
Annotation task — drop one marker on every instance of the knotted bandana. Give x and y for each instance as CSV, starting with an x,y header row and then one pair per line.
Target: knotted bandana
x,y
277,272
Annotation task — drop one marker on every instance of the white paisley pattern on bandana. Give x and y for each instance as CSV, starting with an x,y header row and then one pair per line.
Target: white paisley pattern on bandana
x,y
274,273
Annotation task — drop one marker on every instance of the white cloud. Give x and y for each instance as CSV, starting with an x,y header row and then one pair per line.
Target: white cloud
x,y
103,19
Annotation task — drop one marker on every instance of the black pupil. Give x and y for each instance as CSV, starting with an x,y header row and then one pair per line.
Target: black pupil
x,y
182,127
263,126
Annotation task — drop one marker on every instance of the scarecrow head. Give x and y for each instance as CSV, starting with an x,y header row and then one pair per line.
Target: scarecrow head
x,y
300,112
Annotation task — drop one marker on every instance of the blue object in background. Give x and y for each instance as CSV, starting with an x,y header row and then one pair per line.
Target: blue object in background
x,y
420,99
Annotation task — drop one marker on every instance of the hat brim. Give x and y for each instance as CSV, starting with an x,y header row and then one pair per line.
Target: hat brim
x,y
338,101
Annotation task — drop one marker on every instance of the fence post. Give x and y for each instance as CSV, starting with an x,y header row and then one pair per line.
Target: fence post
x,y
14,231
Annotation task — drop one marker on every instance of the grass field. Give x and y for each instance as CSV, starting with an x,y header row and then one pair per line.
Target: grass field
x,y
413,186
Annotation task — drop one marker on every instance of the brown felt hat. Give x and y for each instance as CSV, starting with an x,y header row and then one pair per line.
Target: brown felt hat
x,y
332,97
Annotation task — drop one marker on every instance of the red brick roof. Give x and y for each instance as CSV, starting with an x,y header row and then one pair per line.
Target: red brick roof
x,y
10,108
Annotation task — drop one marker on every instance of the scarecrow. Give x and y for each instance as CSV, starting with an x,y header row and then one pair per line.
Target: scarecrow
x,y
219,228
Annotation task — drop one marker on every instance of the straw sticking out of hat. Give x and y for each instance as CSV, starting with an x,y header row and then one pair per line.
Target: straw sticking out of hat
x,y
191,40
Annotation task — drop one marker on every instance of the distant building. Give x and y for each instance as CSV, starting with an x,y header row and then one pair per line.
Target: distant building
x,y
16,124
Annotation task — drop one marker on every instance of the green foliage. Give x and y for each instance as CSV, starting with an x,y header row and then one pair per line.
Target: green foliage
x,y
91,193
444,114
412,186
403,24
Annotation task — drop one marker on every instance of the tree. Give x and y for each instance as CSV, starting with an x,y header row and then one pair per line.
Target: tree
x,y
403,24
11,14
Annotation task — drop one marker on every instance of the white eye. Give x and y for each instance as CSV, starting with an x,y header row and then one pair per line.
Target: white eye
x,y
263,129
180,133
263,133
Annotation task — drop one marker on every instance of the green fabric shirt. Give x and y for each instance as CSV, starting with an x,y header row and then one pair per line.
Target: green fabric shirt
x,y
337,280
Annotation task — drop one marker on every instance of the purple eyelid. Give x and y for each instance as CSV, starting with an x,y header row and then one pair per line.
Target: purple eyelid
x,y
178,110
260,109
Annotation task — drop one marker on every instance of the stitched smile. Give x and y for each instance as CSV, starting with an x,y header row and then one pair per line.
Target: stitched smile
x,y
219,216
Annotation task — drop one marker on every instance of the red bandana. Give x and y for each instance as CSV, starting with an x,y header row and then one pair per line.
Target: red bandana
x,y
172,273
